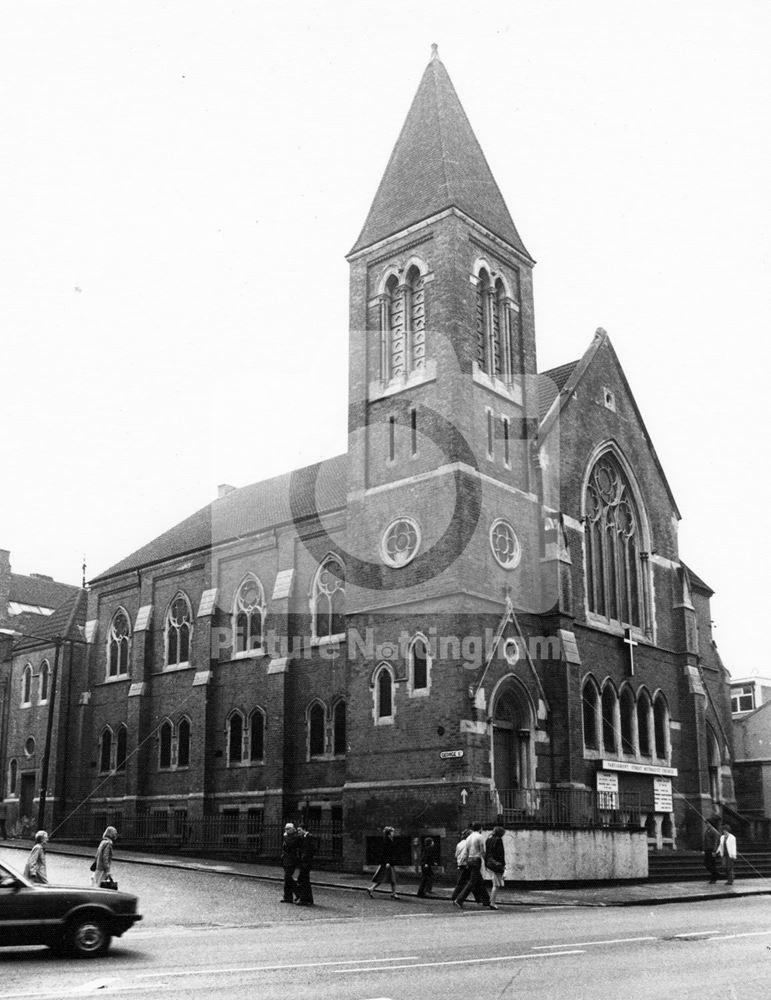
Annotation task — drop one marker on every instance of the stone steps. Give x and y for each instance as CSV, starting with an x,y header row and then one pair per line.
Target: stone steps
x,y
688,866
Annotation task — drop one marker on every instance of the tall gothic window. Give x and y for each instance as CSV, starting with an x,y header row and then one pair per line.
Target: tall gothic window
x,y
609,709
661,726
120,749
328,599
483,321
384,695
316,728
105,751
590,702
164,745
235,738
178,631
415,311
118,644
183,743
256,736
45,680
26,685
338,726
614,564
248,615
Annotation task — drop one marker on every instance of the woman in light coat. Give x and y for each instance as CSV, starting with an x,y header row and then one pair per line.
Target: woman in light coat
x,y
35,868
103,860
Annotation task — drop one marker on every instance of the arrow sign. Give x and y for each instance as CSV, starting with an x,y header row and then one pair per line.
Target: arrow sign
x,y
463,795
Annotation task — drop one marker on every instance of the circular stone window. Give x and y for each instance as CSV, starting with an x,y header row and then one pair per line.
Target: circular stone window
x,y
511,652
401,541
504,543
29,746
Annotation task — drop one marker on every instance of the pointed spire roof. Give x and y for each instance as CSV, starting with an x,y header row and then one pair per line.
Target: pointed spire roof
x,y
437,163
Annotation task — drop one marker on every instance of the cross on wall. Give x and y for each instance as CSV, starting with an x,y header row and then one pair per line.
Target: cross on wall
x,y
631,642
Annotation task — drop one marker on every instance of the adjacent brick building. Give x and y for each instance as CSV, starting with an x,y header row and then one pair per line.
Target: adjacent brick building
x,y
478,610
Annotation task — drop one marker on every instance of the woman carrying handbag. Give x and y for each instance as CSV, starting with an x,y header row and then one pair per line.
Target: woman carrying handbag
x,y
102,864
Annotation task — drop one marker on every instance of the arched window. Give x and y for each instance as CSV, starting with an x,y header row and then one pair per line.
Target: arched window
x,y
13,771
415,311
384,695
256,736
590,703
499,333
644,720
513,745
120,748
614,563
248,615
340,746
328,599
178,631
661,726
316,727
609,726
235,738
26,685
483,309
183,743
118,644
105,751
164,750
627,721
419,663
45,680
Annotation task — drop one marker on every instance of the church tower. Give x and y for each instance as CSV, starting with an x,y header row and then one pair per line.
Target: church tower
x,y
444,516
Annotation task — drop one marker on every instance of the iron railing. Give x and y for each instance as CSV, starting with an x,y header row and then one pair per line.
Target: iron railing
x,y
571,808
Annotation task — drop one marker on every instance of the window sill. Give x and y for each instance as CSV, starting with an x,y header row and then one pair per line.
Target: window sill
x,y
613,627
249,654
170,668
381,390
511,391
418,692
116,679
328,640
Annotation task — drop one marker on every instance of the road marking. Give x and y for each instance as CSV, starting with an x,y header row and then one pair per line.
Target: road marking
x,y
693,934
727,937
269,968
584,944
456,961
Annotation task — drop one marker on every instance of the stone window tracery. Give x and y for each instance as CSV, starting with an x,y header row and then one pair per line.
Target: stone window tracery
x,y
328,599
118,641
178,631
249,616
401,541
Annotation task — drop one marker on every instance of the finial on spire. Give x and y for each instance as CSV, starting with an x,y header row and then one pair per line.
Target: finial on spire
x,y
434,51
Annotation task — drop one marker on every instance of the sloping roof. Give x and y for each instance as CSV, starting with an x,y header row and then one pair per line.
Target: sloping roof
x,y
38,591
696,581
550,385
294,496
436,163
65,623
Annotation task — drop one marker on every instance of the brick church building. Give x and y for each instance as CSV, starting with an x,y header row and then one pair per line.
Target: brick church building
x,y
479,610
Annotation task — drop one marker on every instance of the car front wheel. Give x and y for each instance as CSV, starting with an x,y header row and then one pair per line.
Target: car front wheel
x,y
87,937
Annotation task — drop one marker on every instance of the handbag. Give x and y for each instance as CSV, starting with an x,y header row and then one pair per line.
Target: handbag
x,y
496,867
108,882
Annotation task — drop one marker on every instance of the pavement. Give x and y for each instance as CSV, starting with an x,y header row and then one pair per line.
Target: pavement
x,y
642,893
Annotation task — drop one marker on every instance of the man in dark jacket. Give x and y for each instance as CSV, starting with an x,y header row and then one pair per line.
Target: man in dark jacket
x,y
306,849
711,843
289,852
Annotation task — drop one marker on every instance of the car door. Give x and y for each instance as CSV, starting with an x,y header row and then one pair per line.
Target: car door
x,y
24,916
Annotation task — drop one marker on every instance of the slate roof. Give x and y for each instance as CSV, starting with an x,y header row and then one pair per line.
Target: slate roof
x,y
551,383
67,622
38,591
437,163
696,581
245,511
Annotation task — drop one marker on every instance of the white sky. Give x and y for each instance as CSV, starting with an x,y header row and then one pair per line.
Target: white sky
x,y
180,182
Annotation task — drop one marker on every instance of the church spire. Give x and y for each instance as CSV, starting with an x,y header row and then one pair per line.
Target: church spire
x,y
437,163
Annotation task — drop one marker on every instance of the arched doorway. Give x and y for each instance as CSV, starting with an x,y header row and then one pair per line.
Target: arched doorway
x,y
513,759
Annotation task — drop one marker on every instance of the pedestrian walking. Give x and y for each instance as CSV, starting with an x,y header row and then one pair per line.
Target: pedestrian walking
x,y
386,867
426,868
475,852
495,861
289,859
461,861
102,864
35,868
711,843
306,850
727,851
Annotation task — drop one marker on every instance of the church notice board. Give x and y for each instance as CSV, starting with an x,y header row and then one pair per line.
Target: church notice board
x,y
662,795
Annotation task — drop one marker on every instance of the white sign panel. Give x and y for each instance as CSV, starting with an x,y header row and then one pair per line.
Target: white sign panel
x,y
447,754
662,795
607,790
623,765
